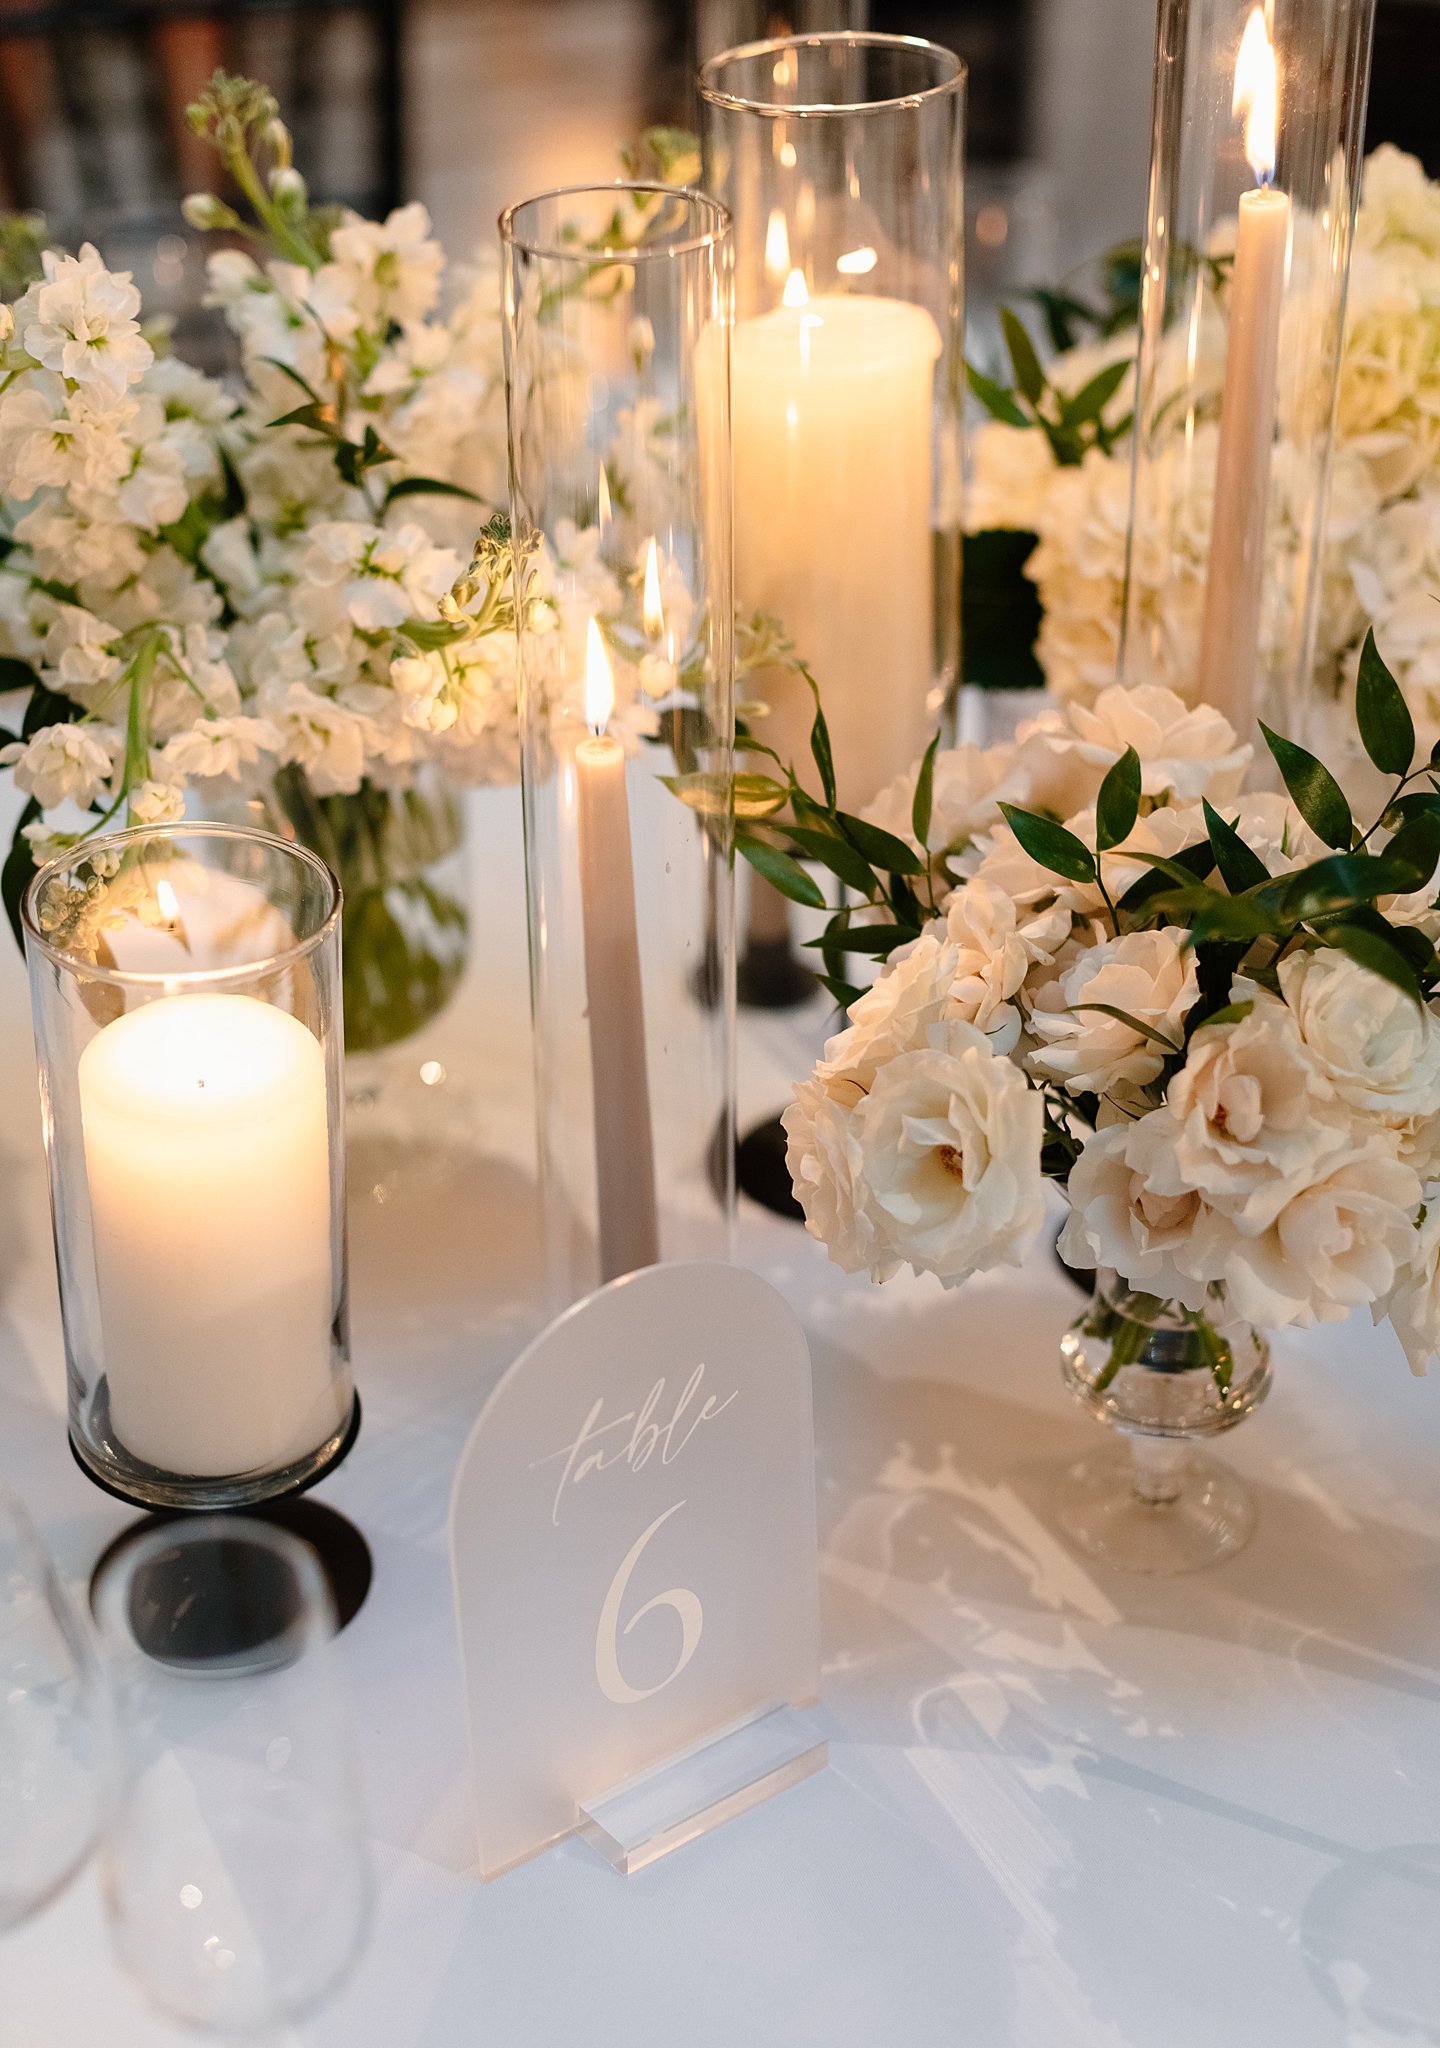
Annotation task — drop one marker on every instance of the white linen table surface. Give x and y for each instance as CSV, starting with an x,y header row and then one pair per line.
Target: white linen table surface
x,y
1064,1808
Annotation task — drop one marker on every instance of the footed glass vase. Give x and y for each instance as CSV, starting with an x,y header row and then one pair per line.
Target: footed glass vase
x,y
1164,1378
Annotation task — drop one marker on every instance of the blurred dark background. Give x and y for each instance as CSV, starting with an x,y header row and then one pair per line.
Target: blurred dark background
x,y
468,104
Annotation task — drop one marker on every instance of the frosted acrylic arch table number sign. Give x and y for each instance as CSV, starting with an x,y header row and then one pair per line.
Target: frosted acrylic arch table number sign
x,y
632,1537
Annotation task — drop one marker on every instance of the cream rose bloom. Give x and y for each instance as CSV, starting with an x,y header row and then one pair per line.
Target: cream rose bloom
x,y
1192,751
1378,1048
997,943
894,1014
1336,1243
1413,1303
1148,975
1119,1219
1248,1120
968,788
949,1139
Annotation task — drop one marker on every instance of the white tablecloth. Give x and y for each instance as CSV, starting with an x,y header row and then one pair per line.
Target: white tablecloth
x,y
1064,1809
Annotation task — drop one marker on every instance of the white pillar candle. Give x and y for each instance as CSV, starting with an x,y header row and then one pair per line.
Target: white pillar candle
x,y
624,1149
207,1158
831,405
1235,576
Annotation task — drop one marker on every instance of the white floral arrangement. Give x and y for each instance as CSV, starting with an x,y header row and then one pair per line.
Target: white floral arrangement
x,y
203,586
1208,1012
1058,466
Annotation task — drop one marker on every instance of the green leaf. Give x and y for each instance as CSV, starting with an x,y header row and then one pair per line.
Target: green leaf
x,y
1337,883
1370,949
1382,714
16,674
47,707
1193,865
780,871
844,992
318,417
882,849
1135,1023
718,796
1417,846
996,400
1118,804
923,799
1233,1013
1028,373
1092,398
295,378
19,870
1241,868
1317,795
881,939
1051,844
821,754
415,486
836,854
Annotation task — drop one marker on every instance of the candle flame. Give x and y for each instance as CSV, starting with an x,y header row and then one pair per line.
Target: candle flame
x,y
795,293
1257,95
654,611
856,262
777,245
599,681
169,903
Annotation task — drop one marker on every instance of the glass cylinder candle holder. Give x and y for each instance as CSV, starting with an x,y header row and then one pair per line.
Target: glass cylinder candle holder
x,y
617,320
840,158
1258,120
185,984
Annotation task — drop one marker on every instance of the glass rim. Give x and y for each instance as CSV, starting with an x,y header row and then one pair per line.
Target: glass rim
x,y
191,978
857,39
118,1567
702,203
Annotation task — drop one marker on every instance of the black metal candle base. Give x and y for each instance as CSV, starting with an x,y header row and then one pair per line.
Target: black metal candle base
x,y
199,1628
770,975
761,1172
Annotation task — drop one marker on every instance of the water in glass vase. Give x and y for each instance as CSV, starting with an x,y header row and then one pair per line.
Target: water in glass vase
x,y
1163,1377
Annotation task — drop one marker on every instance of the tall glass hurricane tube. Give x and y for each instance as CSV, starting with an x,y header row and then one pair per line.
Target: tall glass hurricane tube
x,y
618,305
840,159
1254,182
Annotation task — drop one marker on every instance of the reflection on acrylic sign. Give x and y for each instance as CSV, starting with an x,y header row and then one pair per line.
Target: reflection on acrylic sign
x,y
633,1542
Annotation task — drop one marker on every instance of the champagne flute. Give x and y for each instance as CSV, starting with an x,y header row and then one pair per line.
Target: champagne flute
x,y
54,1725
236,1872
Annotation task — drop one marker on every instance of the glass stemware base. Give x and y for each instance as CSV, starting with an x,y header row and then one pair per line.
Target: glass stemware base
x,y
1165,1379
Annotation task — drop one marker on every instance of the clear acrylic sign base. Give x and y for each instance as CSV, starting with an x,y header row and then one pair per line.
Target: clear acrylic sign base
x,y
676,1802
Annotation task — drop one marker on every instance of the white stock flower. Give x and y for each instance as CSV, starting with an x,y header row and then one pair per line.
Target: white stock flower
x,y
1149,976
323,737
64,763
219,747
936,1167
156,803
80,321
371,578
386,270
1011,473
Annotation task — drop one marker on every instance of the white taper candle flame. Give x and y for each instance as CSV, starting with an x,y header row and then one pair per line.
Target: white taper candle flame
x,y
599,680
1257,95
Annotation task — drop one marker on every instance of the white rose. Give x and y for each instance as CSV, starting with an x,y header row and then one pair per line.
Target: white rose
x,y
1413,1303
1337,1243
968,787
996,945
1148,975
948,1179
1249,1120
1118,1218
1378,1048
1190,751
822,1153
895,1014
